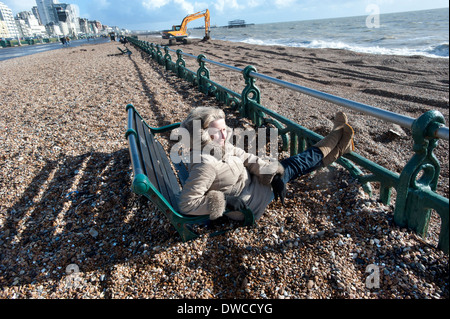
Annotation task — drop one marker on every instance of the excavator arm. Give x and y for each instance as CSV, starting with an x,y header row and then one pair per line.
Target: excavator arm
x,y
179,32
195,16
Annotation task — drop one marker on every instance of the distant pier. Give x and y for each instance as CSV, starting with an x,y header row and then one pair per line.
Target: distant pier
x,y
238,24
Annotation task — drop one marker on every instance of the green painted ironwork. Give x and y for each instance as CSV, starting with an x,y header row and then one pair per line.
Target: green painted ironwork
x,y
418,181
168,59
180,64
415,186
203,75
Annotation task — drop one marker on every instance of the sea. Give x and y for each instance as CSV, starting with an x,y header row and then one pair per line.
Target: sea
x,y
423,33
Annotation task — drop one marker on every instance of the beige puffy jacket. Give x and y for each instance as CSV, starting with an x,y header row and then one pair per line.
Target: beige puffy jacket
x,y
227,171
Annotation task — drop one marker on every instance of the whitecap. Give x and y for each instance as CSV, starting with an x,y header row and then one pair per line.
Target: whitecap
x,y
439,50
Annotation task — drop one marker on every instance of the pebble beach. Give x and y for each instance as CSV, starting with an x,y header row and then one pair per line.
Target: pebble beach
x,y
70,227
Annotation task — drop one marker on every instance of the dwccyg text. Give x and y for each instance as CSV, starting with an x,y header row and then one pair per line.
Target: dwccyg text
x,y
225,309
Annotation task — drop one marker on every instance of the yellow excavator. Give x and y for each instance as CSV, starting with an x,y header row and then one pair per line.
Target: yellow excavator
x,y
179,32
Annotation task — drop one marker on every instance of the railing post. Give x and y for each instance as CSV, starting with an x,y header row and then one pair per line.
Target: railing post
x,y
202,74
181,64
153,51
419,175
144,46
167,58
159,55
250,93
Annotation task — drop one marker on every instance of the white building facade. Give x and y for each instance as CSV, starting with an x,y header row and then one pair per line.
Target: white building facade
x,y
7,18
29,26
67,15
46,12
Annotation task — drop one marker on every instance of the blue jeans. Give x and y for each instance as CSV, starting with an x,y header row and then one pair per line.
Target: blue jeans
x,y
301,164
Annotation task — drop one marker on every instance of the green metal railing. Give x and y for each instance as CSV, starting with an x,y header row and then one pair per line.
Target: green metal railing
x,y
415,185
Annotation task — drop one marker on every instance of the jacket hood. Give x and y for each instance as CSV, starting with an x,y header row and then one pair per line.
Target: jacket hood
x,y
197,123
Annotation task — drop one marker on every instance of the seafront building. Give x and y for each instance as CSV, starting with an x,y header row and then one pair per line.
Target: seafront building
x,y
48,19
35,12
8,28
29,26
60,19
67,18
46,12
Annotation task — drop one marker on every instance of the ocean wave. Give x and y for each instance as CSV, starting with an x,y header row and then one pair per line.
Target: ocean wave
x,y
440,50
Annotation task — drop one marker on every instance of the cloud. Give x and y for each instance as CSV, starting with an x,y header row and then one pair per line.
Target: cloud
x,y
185,6
255,3
154,4
284,3
222,5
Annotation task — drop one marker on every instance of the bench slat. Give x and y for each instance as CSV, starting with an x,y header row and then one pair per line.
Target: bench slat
x,y
164,170
152,168
157,166
145,152
182,172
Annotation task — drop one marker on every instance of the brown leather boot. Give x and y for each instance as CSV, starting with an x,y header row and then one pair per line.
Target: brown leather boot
x,y
329,142
344,146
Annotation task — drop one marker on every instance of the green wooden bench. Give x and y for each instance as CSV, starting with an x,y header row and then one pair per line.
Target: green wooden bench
x,y
155,178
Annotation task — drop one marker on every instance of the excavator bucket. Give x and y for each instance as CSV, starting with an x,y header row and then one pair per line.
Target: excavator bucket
x,y
206,37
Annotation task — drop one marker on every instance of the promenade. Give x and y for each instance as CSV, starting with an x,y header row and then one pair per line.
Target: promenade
x,y
19,51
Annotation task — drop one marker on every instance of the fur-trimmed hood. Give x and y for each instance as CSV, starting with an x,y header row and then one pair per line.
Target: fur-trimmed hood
x,y
197,123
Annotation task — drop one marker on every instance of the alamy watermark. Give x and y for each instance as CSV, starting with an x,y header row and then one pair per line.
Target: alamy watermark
x,y
73,279
373,280
189,149
373,19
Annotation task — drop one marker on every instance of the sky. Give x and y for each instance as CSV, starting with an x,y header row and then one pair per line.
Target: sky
x,y
162,14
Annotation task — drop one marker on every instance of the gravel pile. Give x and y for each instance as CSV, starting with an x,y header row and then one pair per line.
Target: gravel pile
x,y
71,228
